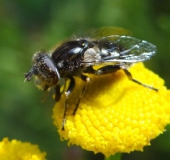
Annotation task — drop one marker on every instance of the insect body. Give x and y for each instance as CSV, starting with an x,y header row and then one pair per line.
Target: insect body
x,y
78,56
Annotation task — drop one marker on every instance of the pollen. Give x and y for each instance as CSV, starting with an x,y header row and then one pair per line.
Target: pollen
x,y
18,150
115,114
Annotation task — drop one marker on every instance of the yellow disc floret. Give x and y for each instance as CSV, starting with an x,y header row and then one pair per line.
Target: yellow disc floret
x,y
115,114
17,150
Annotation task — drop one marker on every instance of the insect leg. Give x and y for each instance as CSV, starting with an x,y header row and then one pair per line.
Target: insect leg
x,y
86,79
67,93
113,68
107,69
103,70
129,75
57,93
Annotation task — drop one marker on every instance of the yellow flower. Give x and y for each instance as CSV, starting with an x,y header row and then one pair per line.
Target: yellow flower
x,y
17,150
115,114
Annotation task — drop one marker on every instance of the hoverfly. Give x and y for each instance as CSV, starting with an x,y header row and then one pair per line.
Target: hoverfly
x,y
78,56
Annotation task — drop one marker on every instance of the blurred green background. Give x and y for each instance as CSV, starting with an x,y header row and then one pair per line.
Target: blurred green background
x,y
29,26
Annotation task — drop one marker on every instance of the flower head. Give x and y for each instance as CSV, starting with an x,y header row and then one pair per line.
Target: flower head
x,y
18,150
115,114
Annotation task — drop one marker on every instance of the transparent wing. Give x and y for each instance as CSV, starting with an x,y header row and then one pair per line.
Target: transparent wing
x,y
117,48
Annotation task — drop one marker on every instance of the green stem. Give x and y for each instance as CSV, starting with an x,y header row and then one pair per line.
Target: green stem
x,y
117,156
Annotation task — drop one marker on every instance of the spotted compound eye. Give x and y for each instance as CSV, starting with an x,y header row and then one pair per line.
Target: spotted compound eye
x,y
44,70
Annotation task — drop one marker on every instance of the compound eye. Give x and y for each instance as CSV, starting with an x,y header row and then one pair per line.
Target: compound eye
x,y
46,71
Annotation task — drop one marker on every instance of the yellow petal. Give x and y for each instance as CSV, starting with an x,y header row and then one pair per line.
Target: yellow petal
x,y
18,150
115,114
